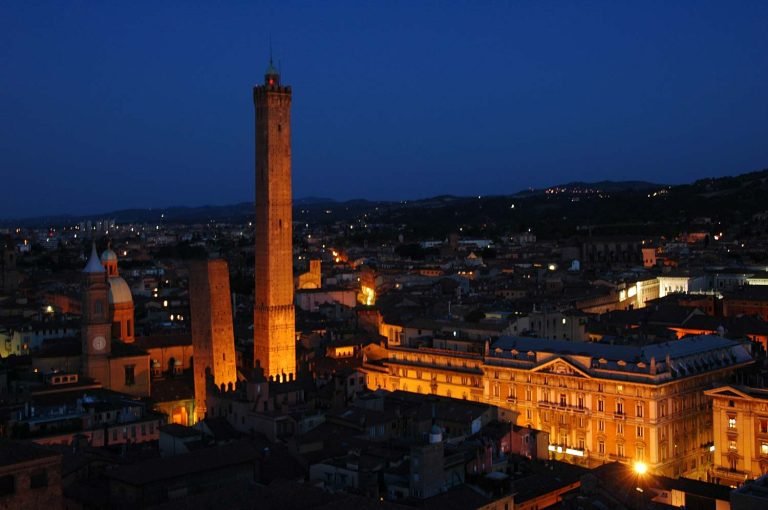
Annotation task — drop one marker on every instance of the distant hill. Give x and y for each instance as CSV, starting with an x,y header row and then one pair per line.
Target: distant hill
x,y
553,210
600,186
313,200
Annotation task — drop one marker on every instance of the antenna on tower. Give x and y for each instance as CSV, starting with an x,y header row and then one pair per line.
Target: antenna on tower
x,y
270,49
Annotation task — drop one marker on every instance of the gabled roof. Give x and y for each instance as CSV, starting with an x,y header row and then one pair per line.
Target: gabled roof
x,y
738,392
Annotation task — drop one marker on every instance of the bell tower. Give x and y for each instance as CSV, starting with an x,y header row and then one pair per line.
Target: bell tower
x,y
274,334
96,324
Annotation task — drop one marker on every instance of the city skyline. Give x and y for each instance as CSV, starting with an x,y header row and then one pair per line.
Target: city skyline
x,y
115,109
599,342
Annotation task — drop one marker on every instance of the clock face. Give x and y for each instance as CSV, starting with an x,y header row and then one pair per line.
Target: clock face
x,y
99,343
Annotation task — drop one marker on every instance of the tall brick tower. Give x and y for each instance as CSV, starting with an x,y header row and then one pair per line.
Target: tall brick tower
x,y
274,338
96,326
213,338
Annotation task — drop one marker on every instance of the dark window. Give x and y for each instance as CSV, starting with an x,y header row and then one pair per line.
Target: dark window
x,y
130,376
7,485
38,478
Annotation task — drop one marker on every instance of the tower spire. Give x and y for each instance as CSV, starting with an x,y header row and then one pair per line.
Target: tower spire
x,y
94,263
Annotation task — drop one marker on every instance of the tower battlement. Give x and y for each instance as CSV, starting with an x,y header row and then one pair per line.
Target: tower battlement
x,y
271,89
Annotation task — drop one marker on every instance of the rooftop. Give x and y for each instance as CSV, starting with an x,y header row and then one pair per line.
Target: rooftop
x,y
17,452
668,360
207,459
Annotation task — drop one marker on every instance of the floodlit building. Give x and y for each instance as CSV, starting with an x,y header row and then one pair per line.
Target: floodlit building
x,y
740,423
598,402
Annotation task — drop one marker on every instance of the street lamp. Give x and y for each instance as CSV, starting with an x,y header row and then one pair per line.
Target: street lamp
x,y
640,468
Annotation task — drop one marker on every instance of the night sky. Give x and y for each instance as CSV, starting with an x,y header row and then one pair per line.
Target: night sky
x,y
113,105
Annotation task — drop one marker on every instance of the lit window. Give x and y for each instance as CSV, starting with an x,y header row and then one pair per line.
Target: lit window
x,y
763,448
731,423
732,445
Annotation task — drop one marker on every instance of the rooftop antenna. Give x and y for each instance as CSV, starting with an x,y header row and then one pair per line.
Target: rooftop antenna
x,y
270,49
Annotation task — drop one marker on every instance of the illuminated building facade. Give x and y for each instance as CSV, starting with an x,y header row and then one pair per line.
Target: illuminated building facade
x,y
740,423
599,403
213,338
367,286
312,279
274,334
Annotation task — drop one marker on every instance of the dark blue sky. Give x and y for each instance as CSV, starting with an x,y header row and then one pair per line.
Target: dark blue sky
x,y
109,105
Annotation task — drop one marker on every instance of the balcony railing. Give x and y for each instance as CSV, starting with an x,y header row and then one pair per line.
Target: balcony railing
x,y
732,474
557,406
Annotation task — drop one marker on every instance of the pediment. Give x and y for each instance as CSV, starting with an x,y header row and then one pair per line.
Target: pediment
x,y
727,391
561,366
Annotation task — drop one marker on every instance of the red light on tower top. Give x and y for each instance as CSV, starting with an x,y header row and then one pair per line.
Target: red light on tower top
x,y
272,77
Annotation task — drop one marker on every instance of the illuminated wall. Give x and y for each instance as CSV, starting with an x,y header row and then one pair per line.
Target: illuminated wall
x,y
213,339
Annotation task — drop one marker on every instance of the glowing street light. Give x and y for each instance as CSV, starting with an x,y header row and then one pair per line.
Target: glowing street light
x,y
641,468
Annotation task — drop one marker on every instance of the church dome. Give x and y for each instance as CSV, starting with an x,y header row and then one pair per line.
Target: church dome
x,y
119,292
108,255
